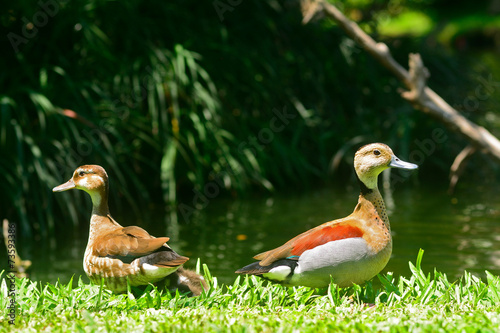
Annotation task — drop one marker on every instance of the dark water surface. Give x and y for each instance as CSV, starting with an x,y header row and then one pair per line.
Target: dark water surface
x,y
459,232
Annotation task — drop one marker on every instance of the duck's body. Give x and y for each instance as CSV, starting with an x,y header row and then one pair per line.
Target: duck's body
x,y
349,250
119,254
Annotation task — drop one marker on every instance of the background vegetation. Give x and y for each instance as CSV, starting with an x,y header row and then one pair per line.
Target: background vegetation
x,y
170,95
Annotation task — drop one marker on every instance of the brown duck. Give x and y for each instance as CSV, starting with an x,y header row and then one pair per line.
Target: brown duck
x,y
119,254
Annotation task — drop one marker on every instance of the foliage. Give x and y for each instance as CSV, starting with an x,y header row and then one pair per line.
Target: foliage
x,y
169,96
421,302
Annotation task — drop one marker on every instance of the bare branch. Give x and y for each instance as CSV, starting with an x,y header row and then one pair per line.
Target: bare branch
x,y
379,51
309,9
418,78
419,94
458,166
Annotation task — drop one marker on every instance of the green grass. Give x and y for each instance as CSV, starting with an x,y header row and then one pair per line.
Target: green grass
x,y
422,302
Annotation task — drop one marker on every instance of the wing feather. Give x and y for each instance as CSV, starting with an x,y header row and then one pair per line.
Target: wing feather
x,y
310,239
128,241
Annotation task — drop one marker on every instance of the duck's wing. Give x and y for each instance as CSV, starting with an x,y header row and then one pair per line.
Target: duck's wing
x,y
130,243
327,232
133,241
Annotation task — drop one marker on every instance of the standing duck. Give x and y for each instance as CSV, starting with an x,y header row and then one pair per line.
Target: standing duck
x,y
349,250
119,254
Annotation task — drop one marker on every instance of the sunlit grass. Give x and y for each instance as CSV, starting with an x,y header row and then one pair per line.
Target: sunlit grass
x,y
405,304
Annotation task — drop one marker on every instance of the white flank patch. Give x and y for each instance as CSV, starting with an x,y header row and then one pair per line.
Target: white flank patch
x,y
278,273
183,279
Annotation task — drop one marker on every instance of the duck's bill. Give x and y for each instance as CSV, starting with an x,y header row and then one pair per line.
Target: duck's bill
x,y
64,187
397,163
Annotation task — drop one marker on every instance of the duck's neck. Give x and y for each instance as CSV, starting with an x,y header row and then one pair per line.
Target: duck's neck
x,y
378,202
99,202
101,220
373,195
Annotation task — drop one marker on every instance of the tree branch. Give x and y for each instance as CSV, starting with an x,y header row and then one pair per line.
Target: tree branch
x,y
458,166
419,94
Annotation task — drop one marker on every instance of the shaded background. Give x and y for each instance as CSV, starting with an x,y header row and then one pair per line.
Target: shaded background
x,y
207,115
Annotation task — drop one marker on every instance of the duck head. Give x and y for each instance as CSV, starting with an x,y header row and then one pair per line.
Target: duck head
x,y
372,159
92,179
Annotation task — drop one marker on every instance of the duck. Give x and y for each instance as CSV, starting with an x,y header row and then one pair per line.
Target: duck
x,y
118,255
346,251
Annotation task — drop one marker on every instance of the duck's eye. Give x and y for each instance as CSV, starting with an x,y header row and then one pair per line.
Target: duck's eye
x,y
81,173
376,152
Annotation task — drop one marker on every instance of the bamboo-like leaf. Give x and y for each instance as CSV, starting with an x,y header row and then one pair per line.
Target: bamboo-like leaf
x,y
168,172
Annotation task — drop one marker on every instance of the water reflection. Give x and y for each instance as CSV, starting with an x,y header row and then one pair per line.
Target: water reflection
x,y
457,233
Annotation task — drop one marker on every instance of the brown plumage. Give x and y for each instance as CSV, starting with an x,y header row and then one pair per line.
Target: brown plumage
x,y
184,280
119,254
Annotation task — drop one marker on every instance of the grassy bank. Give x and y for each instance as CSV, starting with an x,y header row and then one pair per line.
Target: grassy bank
x,y
422,302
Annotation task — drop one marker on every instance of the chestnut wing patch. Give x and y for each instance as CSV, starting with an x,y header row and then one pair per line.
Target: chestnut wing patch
x,y
308,240
323,236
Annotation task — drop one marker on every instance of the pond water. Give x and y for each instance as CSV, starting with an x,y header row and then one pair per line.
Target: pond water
x,y
458,232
